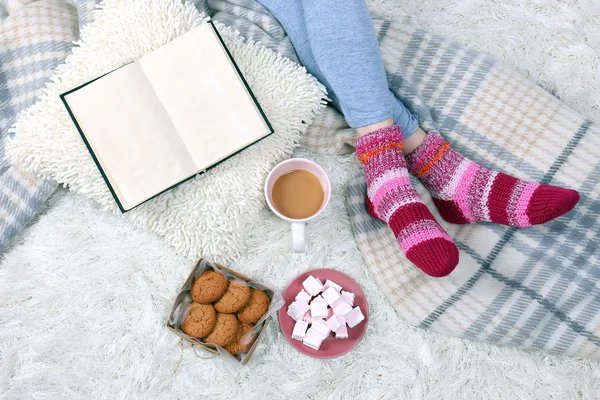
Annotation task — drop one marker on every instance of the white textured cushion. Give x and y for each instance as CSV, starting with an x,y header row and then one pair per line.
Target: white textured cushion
x,y
204,215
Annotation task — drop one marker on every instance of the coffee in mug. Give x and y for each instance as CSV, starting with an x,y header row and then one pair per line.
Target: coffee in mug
x,y
297,190
298,194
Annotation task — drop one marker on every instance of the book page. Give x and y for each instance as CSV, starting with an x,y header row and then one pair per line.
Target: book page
x,y
131,135
204,96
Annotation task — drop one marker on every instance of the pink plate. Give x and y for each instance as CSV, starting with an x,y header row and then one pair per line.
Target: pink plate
x,y
331,346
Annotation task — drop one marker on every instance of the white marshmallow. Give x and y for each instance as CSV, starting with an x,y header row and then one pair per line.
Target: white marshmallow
x,y
332,284
343,309
342,332
302,295
318,309
318,299
335,322
300,330
297,309
312,340
354,317
348,297
331,296
321,328
312,285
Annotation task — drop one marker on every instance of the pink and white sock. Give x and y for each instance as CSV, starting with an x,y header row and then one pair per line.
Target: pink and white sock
x,y
465,192
392,199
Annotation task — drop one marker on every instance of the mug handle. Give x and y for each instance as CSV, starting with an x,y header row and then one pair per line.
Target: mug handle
x,y
298,237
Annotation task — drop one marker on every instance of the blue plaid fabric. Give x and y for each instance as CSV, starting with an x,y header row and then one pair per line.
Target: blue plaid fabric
x,y
34,39
534,288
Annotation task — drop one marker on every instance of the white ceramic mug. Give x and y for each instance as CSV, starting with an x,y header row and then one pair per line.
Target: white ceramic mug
x,y
298,231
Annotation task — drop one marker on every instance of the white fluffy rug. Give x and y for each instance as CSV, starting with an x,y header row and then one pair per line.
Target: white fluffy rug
x,y
84,295
202,216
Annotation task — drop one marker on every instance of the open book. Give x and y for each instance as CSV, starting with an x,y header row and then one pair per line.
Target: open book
x,y
176,112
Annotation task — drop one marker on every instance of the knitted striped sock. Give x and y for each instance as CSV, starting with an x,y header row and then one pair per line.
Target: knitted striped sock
x,y
394,201
465,192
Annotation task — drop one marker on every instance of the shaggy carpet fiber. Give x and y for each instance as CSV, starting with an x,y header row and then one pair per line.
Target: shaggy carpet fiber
x,y
84,295
202,216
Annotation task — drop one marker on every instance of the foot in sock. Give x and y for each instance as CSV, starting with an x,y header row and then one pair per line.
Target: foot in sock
x,y
465,192
397,203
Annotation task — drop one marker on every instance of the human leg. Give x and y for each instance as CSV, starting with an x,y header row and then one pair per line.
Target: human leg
x,y
336,42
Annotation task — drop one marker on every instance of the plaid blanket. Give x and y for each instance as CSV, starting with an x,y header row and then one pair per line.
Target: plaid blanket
x,y
35,36
532,288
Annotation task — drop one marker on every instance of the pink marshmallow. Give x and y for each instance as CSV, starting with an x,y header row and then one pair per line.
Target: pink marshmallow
x,y
308,317
348,297
331,296
300,330
335,322
321,329
342,332
302,295
354,317
312,285
318,310
339,301
297,309
312,340
343,309
318,299
332,284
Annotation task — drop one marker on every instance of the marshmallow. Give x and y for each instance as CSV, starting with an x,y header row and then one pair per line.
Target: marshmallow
x,y
318,309
312,285
335,322
297,309
308,317
300,330
342,332
321,329
332,284
343,309
302,295
312,340
354,317
331,296
338,302
348,297
318,299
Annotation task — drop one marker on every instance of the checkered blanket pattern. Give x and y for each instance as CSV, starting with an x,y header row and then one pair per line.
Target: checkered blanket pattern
x,y
535,288
35,36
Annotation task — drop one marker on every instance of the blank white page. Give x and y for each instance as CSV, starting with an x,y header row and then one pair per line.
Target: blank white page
x,y
131,135
204,95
